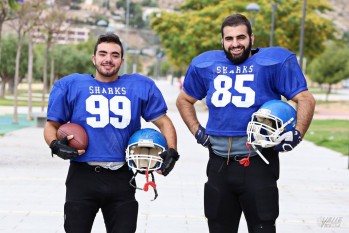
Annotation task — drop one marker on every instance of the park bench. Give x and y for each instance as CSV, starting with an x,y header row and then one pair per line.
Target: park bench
x,y
40,119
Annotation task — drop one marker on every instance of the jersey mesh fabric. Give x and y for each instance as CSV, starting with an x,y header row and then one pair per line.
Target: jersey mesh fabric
x,y
234,92
109,112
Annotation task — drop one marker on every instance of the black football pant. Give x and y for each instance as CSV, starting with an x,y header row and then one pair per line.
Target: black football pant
x,y
90,188
232,189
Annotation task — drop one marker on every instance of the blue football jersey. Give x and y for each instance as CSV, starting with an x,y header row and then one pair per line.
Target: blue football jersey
x,y
110,112
234,92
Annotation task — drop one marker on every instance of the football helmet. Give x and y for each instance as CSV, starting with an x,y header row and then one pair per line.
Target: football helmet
x,y
144,149
273,118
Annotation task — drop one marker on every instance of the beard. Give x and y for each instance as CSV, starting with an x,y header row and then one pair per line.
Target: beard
x,y
239,59
107,74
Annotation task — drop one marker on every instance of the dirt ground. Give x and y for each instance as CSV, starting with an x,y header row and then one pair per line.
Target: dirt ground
x,y
342,106
336,110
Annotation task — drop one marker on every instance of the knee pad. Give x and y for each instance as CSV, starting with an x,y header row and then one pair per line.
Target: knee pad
x,y
211,201
267,203
79,217
129,208
221,215
121,218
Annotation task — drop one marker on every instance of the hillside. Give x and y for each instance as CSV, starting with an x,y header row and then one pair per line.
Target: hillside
x,y
340,14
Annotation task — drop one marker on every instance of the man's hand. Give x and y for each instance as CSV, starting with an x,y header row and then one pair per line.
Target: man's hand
x,y
169,157
62,150
288,141
201,137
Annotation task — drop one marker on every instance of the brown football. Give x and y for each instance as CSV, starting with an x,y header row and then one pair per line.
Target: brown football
x,y
80,140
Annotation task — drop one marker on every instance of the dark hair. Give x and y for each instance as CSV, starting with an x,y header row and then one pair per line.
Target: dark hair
x,y
236,20
109,38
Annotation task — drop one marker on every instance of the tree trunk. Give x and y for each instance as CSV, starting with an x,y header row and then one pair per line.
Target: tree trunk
x,y
2,87
10,86
328,92
16,81
30,77
44,91
52,75
0,39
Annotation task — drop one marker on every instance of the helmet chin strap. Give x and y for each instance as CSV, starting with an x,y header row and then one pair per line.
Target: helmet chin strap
x,y
151,183
147,184
246,161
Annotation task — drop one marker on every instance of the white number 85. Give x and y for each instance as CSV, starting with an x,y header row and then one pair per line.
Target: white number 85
x,y
222,96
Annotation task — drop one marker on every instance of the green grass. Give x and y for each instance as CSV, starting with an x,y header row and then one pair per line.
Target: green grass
x,y
21,102
317,90
332,134
22,98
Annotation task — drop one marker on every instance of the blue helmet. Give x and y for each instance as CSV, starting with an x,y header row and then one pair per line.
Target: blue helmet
x,y
144,149
273,118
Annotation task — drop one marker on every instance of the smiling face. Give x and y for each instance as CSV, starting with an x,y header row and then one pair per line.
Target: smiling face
x,y
107,60
237,43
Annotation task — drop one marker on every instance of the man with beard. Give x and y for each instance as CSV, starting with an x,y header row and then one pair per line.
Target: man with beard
x,y
236,81
109,107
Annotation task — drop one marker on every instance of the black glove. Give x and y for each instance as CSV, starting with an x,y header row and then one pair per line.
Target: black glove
x,y
201,137
288,141
62,150
169,157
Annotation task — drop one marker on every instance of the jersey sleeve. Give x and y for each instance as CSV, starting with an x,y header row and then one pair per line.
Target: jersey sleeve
x,y
58,108
155,106
291,80
193,84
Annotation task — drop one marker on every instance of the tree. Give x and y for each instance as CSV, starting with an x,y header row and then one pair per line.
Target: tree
x,y
318,30
27,15
4,16
185,34
331,67
8,64
5,7
69,58
30,74
195,5
52,23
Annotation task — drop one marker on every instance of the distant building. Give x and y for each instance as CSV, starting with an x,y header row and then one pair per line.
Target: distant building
x,y
67,36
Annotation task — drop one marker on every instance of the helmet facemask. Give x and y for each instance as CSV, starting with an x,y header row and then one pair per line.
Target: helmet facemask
x,y
143,157
273,118
263,129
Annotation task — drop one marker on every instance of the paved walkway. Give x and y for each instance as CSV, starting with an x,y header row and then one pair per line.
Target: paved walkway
x,y
314,187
